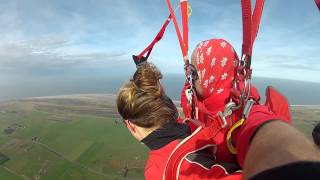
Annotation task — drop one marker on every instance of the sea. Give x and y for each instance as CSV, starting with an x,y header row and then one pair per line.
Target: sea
x,y
297,92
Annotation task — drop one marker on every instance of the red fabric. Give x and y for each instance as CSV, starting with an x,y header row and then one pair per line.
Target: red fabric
x,y
250,23
158,37
258,115
318,3
215,58
278,103
216,65
275,108
157,162
183,41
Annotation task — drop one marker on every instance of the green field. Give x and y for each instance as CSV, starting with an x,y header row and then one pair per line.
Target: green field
x,y
68,138
80,137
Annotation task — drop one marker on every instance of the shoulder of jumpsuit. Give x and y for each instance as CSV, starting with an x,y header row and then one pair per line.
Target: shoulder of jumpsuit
x,y
157,160
162,154
153,173
154,167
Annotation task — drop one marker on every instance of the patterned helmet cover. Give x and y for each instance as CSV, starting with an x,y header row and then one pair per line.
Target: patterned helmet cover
x,y
216,63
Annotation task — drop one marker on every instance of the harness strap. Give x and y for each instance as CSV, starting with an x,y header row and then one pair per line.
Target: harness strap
x,y
246,26
185,26
158,37
250,25
318,3
198,140
149,48
183,41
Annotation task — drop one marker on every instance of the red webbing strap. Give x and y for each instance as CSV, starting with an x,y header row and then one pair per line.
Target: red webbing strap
x,y
318,3
250,24
246,26
200,139
159,36
185,27
256,19
183,41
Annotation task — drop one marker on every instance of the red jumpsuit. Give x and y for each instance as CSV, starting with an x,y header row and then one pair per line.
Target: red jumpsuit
x,y
216,64
197,165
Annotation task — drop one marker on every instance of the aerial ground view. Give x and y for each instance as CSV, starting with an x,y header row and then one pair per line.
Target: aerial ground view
x,y
67,137
80,137
64,63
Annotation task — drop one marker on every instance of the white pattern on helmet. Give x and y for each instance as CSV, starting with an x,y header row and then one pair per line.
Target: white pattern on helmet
x,y
203,72
213,61
211,79
223,44
224,76
201,58
211,90
224,61
208,52
219,91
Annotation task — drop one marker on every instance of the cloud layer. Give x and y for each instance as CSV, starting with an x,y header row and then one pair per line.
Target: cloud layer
x,y
50,37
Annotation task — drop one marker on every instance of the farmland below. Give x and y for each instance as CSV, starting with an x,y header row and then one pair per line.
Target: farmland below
x,y
80,137
67,137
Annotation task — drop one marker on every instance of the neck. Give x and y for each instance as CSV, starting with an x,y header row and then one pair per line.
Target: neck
x,y
144,132
166,134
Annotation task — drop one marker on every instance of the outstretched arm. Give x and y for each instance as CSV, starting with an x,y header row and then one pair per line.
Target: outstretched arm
x,y
277,143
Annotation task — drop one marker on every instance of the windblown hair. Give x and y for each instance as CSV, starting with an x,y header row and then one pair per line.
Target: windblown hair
x,y
143,101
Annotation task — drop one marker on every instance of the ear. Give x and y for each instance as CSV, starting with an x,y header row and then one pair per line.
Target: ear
x,y
131,127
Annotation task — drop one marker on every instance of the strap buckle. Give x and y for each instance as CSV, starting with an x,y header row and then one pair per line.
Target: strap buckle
x,y
226,113
189,94
139,61
247,108
238,124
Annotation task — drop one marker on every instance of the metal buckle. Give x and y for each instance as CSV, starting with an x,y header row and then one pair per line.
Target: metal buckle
x,y
247,108
189,94
139,62
226,113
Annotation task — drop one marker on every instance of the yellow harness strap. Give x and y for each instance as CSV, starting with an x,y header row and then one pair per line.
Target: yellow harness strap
x,y
231,148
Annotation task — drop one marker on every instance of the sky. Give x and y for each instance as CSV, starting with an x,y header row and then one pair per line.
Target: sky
x,y
43,40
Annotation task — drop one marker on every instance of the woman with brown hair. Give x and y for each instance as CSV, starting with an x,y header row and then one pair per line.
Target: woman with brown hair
x,y
151,117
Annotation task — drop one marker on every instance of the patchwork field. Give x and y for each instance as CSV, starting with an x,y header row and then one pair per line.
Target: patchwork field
x,y
67,137
80,137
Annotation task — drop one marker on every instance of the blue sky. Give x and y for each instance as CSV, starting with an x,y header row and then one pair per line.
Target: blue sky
x,y
46,38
